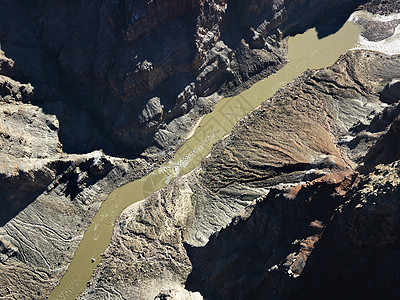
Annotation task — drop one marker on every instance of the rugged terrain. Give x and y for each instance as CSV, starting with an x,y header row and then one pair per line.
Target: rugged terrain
x,y
130,77
120,71
288,198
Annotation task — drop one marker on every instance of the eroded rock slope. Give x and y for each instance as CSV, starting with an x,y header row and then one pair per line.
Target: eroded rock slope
x,y
274,198
47,197
126,77
124,70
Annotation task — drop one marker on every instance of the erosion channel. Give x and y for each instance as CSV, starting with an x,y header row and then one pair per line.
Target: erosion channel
x,y
305,51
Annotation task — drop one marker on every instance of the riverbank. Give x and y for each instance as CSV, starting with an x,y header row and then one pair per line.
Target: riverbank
x,y
247,222
213,127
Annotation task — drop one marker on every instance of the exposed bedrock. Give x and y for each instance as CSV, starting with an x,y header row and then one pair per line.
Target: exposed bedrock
x,y
116,75
78,76
105,62
47,197
246,222
266,247
383,7
358,254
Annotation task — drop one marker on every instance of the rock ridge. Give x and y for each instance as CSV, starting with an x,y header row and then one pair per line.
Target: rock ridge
x,y
248,222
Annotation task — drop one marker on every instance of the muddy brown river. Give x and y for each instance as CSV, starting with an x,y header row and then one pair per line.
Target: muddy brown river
x,y
305,51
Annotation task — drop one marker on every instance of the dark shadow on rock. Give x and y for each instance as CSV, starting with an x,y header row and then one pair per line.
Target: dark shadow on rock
x,y
339,273
332,26
94,110
231,32
21,189
11,207
89,173
358,256
386,150
238,262
18,191
391,92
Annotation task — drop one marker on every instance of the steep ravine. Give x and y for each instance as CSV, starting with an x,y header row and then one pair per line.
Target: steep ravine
x,y
283,189
107,75
119,72
285,169
212,128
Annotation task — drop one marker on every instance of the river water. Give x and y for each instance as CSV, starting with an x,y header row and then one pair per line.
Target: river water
x,y
305,51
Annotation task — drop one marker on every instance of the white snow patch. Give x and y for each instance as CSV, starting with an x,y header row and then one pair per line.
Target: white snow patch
x,y
390,45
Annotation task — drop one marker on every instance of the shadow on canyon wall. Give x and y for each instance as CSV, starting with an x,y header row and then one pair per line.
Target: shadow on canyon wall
x,y
238,262
93,111
97,74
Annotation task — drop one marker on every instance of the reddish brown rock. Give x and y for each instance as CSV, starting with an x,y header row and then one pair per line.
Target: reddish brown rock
x,y
261,252
358,253
253,214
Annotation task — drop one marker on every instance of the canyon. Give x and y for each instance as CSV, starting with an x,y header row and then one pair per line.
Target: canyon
x,y
299,200
245,222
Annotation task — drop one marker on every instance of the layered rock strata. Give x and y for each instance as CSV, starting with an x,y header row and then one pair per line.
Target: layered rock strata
x,y
120,76
248,222
47,197
124,70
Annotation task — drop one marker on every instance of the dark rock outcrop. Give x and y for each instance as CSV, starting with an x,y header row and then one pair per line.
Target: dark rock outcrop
x,y
382,7
252,215
104,61
107,74
358,252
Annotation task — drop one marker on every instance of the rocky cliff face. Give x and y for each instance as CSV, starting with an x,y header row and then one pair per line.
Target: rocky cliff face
x,y
107,62
358,252
78,76
276,197
47,197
